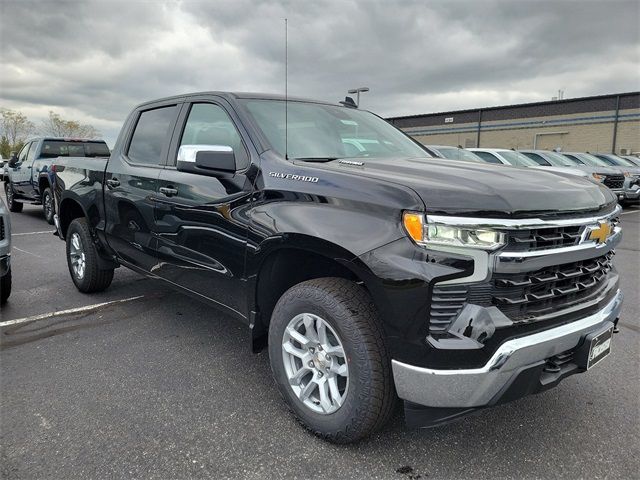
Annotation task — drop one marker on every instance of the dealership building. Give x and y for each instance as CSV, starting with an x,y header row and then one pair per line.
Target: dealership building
x,y
603,123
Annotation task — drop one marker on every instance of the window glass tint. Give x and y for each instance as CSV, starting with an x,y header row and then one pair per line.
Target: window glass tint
x,y
574,158
453,153
209,124
517,159
537,158
32,152
311,130
59,148
22,156
487,157
151,134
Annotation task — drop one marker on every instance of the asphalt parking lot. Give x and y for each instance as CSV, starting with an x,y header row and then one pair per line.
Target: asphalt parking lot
x,y
161,386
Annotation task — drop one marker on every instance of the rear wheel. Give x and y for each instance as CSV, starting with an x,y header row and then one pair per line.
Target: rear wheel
x,y
82,259
12,205
47,205
329,359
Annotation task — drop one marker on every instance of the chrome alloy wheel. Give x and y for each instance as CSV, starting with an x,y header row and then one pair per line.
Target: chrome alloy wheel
x,y
77,256
315,363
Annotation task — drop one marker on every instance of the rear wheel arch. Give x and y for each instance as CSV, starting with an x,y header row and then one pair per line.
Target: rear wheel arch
x,y
70,209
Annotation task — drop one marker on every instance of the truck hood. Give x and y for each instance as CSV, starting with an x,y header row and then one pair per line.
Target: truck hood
x,y
457,187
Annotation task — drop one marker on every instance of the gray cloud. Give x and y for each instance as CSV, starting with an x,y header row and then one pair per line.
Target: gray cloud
x,y
94,60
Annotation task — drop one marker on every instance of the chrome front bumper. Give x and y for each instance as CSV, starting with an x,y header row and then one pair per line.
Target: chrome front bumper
x,y
479,386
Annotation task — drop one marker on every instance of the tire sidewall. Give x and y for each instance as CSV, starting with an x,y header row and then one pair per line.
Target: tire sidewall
x,y
74,227
45,194
357,358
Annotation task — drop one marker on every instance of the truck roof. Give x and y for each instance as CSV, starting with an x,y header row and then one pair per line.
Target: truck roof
x,y
235,96
65,139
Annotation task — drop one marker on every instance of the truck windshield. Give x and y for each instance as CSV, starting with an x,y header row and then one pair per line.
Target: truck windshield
x,y
319,131
589,159
518,159
560,160
453,153
72,148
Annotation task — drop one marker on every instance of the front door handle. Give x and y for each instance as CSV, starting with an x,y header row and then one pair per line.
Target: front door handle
x,y
113,183
169,191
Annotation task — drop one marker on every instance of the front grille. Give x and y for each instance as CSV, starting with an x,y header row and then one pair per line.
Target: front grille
x,y
524,297
2,228
614,181
543,238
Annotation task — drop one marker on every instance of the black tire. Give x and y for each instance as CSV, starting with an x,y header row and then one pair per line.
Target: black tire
x,y
93,278
348,309
48,205
12,205
5,287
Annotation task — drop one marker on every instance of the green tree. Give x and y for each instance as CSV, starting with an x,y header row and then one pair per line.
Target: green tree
x,y
15,127
5,147
57,126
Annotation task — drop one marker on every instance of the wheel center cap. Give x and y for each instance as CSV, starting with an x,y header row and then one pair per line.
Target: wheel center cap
x,y
320,360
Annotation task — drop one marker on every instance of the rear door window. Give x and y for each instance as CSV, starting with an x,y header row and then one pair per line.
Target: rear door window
x,y
152,135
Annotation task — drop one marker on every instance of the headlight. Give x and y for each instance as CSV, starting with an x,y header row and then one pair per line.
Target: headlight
x,y
424,233
598,177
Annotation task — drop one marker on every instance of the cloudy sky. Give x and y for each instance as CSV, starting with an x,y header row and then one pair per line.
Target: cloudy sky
x,y
92,61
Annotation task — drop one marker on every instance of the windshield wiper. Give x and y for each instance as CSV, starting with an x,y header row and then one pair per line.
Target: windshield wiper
x,y
317,159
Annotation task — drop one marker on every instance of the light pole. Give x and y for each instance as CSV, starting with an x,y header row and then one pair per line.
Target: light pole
x,y
357,92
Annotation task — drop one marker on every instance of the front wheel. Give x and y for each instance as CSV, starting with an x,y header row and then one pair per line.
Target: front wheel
x,y
12,205
329,359
82,259
47,205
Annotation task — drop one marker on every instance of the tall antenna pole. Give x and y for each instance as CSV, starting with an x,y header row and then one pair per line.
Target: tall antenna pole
x,y
286,91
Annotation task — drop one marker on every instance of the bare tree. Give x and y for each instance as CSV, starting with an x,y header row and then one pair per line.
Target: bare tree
x,y
15,127
57,126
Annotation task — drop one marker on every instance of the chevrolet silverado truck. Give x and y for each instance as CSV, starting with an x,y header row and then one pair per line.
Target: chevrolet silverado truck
x,y
28,179
369,275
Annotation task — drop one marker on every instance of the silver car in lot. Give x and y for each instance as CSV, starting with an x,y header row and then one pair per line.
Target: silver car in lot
x,y
616,178
520,159
5,253
548,159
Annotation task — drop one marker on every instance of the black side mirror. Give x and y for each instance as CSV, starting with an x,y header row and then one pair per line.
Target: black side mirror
x,y
13,160
213,160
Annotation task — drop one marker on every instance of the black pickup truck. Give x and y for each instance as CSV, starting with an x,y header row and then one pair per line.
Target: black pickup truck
x,y
28,175
371,271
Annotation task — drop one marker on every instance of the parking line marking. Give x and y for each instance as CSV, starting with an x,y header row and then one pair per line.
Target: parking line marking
x,y
88,308
28,253
626,213
31,233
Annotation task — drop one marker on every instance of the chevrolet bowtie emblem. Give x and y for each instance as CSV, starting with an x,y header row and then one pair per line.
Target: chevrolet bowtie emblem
x,y
601,233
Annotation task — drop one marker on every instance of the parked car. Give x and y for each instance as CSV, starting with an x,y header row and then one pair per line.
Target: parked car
x,y
453,286
28,172
613,177
453,153
632,182
5,253
546,159
632,158
503,156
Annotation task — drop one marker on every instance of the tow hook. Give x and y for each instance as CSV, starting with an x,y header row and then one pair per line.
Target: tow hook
x,y
615,325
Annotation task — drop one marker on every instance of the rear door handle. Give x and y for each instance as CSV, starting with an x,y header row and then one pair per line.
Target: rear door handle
x,y
113,183
168,191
